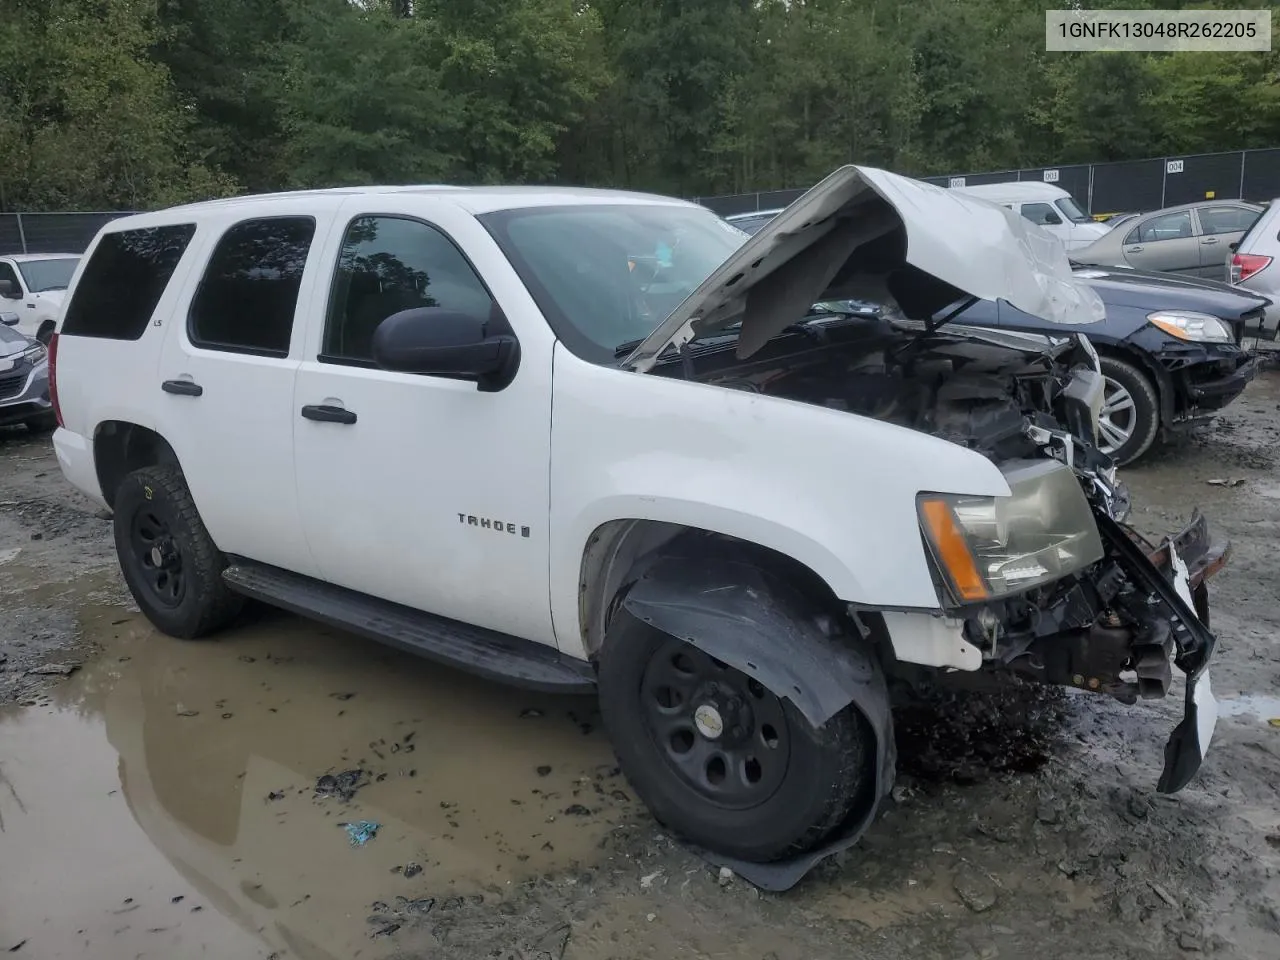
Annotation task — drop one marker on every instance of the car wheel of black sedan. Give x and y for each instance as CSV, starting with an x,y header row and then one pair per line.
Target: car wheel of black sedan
x,y
1130,419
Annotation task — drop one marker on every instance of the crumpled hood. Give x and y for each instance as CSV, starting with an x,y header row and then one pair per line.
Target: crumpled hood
x,y
865,233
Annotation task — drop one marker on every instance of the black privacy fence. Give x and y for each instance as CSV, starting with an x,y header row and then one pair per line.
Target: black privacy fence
x,y
1127,186
51,232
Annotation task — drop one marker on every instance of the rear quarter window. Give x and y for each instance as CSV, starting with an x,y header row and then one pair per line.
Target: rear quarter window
x,y
124,280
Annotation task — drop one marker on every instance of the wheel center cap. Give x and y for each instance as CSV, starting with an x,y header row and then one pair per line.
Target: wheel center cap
x,y
157,556
708,721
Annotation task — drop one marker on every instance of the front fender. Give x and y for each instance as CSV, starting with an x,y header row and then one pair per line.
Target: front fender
x,y
832,490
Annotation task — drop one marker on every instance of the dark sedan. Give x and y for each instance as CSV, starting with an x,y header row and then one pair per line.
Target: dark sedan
x,y
1172,349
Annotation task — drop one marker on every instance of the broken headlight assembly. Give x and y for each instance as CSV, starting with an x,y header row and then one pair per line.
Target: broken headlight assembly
x,y
986,548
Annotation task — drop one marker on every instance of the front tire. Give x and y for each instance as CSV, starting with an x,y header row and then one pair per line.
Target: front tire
x,y
1130,419
169,562
718,758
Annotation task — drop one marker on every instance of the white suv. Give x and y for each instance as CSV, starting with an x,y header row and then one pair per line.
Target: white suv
x,y
589,440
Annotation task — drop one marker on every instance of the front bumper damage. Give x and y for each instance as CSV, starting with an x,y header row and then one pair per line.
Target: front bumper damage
x,y
1176,572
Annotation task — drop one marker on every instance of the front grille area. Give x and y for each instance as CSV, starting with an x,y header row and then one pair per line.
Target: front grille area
x,y
11,384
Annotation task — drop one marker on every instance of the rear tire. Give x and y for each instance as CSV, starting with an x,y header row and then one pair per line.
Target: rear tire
x,y
169,561
768,786
1131,411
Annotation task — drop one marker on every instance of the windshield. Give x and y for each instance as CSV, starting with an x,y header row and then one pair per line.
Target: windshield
x,y
52,274
608,275
1072,212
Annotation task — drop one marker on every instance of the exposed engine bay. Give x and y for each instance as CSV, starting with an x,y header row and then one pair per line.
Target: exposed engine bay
x,y
1006,395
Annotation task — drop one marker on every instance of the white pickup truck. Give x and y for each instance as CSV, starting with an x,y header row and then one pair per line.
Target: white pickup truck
x,y
32,286
600,441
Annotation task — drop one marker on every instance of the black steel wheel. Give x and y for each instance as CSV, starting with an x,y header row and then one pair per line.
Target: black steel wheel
x,y
168,559
722,732
718,757
158,556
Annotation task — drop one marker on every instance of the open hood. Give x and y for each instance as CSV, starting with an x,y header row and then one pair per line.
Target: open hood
x,y
864,233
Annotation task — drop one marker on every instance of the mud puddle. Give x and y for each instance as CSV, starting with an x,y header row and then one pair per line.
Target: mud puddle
x,y
183,776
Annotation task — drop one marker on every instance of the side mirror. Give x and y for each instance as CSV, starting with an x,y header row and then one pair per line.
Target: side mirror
x,y
446,343
9,290
1052,218
9,319
1233,246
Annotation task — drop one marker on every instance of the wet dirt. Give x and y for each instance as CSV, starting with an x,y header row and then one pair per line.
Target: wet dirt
x,y
161,797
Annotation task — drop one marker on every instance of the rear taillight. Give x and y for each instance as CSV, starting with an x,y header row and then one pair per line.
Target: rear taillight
x,y
1245,265
53,378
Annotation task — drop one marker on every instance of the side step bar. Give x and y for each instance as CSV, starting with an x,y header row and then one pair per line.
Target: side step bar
x,y
487,653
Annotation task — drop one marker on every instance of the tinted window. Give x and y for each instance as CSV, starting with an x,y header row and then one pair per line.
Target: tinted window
x,y
124,280
1226,219
52,274
1040,213
246,299
1171,226
389,264
606,275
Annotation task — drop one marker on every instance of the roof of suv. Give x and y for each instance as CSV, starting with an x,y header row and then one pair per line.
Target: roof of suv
x,y
473,199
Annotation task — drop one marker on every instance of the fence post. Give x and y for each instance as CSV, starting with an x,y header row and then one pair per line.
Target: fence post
x,y
1240,193
1090,200
1164,179
22,236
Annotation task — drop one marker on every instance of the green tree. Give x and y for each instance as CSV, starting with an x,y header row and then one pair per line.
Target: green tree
x,y
88,119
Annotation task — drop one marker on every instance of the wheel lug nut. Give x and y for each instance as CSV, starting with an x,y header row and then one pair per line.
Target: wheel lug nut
x,y
737,732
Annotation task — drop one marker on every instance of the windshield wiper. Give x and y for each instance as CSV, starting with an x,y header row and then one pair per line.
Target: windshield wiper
x,y
624,348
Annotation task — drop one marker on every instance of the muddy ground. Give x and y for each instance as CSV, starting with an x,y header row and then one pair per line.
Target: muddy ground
x,y
160,800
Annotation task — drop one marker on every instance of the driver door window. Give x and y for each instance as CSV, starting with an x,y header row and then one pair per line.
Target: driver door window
x,y
389,264
1041,213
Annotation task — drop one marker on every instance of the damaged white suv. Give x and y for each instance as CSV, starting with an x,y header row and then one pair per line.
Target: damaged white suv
x,y
588,440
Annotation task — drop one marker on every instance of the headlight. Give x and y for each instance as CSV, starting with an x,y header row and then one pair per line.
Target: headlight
x,y
35,353
990,547
1189,325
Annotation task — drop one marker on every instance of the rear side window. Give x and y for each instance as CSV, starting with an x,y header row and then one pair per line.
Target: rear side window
x,y
247,296
1226,219
124,280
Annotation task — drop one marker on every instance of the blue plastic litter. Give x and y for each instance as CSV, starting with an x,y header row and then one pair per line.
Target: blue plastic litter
x,y
361,832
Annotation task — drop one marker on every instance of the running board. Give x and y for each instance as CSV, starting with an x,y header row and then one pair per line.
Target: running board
x,y
486,653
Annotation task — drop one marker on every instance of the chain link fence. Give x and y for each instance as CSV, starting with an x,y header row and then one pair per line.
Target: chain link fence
x,y
51,232
1100,188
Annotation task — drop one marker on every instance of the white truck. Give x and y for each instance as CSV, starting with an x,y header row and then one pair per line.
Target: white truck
x,y
1045,205
602,442
32,286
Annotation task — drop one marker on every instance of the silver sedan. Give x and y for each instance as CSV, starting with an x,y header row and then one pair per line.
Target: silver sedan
x,y
1193,239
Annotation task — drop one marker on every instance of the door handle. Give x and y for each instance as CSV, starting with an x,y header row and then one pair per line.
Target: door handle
x,y
1209,240
183,388
327,413
1137,249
